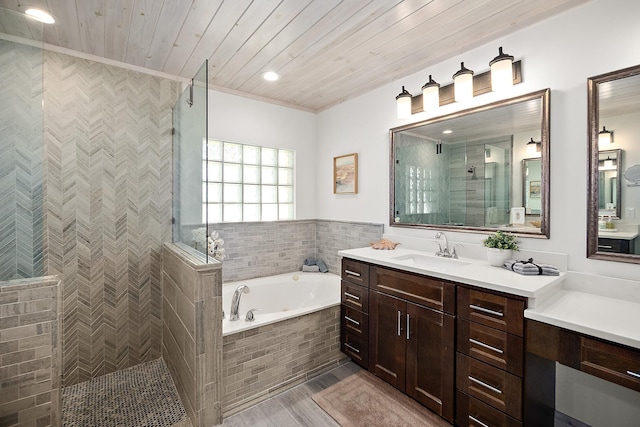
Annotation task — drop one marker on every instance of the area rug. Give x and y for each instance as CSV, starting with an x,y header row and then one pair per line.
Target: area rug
x,y
365,400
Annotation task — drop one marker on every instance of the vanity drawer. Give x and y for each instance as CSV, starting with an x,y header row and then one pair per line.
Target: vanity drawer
x,y
474,413
356,347
491,385
355,271
499,312
422,290
354,321
492,346
611,362
355,296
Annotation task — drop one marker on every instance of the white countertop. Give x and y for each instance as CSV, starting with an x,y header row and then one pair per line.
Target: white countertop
x,y
470,271
623,235
611,319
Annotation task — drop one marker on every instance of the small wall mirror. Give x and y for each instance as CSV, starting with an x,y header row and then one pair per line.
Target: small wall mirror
x,y
614,153
532,186
467,171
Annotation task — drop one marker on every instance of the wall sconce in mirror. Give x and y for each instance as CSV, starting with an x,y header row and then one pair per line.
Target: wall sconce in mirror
x,y
533,147
463,84
403,101
504,73
430,95
605,137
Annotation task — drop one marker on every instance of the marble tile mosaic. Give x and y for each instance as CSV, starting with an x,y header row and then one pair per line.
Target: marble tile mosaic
x,y
141,396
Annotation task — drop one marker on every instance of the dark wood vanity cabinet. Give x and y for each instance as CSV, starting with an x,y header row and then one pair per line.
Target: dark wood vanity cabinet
x,y
411,337
354,311
490,358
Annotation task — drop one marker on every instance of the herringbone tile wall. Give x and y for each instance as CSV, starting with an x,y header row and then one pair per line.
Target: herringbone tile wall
x,y
107,209
20,161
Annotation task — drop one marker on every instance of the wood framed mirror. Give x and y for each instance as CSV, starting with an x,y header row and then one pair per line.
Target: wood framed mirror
x,y
464,171
613,220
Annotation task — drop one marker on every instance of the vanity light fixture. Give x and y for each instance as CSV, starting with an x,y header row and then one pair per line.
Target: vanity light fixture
x,y
501,71
605,137
403,103
447,131
463,84
504,73
40,15
533,147
430,95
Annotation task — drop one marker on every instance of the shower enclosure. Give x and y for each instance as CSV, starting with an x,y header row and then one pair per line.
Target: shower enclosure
x,y
21,147
464,183
190,151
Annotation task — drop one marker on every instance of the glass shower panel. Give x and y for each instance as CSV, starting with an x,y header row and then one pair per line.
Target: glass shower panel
x,y
193,206
21,147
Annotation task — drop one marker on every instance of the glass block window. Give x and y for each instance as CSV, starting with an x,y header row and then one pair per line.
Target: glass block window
x,y
247,183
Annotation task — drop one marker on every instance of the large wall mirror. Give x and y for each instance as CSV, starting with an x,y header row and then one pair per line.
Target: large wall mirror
x,y
478,170
614,166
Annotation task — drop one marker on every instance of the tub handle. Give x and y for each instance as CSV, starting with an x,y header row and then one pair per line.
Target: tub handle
x,y
352,273
250,316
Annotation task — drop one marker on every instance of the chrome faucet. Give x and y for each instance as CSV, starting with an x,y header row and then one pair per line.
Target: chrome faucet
x,y
443,252
235,301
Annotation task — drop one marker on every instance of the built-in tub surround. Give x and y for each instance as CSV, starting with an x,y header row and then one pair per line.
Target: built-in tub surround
x,y
278,298
191,344
259,249
30,351
294,336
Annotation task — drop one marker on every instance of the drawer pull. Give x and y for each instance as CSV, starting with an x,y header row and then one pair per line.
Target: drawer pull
x,y
477,421
633,374
399,315
605,247
352,273
351,320
486,310
352,296
482,383
352,348
487,346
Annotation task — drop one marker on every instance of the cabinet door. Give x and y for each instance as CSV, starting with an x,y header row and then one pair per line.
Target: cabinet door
x,y
430,358
386,339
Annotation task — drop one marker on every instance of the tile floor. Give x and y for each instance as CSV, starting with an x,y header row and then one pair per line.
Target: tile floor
x,y
126,399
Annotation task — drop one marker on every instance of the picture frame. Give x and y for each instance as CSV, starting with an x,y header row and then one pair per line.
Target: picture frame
x,y
345,174
535,189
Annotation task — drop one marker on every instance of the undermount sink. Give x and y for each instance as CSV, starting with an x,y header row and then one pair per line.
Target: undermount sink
x,y
431,261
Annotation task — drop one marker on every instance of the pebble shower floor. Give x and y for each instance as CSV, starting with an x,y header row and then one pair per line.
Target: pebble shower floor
x,y
141,396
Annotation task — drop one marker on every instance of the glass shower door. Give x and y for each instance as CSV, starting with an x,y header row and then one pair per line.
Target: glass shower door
x,y
190,132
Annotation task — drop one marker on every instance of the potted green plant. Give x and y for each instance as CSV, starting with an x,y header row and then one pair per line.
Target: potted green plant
x,y
499,247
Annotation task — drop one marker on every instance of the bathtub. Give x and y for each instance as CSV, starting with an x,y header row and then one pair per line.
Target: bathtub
x,y
280,297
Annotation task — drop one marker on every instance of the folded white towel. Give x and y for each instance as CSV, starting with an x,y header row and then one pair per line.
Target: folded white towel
x,y
529,268
311,268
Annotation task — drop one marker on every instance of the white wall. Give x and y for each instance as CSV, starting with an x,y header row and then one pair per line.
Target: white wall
x,y
559,53
236,119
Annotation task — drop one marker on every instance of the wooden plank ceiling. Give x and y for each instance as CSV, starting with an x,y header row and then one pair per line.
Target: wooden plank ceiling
x,y
326,51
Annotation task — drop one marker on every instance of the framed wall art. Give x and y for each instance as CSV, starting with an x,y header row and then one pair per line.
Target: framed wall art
x,y
345,174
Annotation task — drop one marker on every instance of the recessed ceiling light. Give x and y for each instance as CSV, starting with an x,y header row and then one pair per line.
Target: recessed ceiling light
x,y
40,15
270,76
448,131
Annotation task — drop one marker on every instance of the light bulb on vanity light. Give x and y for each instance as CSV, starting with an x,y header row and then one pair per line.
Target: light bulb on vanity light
x,y
463,84
501,71
430,95
403,103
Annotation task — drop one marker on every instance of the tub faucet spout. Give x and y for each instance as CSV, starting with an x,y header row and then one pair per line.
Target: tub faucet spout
x,y
235,301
